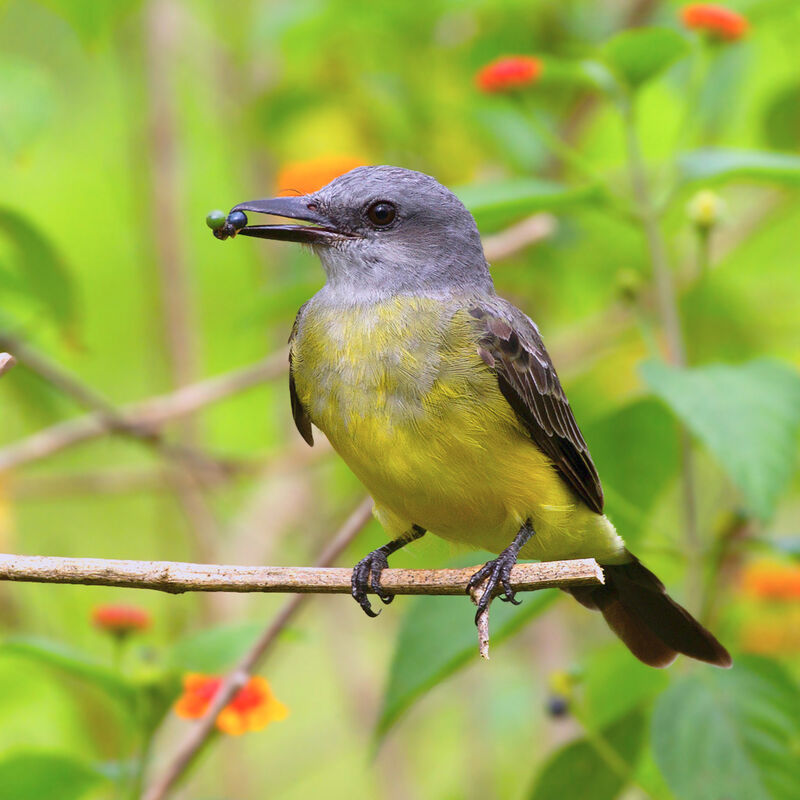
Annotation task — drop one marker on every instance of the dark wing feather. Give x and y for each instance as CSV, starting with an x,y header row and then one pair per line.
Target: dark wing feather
x,y
301,419
513,349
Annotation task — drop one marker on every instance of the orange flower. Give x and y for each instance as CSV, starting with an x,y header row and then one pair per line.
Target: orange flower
x,y
773,634
717,21
772,581
305,177
507,73
252,709
120,620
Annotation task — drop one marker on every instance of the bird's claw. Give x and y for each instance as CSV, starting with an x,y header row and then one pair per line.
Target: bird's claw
x,y
494,572
367,577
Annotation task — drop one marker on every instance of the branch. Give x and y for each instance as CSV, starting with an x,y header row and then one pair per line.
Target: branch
x,y
177,577
6,362
142,419
238,677
518,237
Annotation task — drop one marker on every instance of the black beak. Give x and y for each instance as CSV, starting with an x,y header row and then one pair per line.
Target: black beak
x,y
319,231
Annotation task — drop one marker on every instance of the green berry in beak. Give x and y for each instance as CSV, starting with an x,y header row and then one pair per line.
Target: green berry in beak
x,y
215,219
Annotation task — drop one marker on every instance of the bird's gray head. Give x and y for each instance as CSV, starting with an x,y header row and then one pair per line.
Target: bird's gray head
x,y
380,230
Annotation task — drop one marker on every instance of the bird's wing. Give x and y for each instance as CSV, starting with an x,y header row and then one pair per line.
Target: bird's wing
x,y
301,419
510,345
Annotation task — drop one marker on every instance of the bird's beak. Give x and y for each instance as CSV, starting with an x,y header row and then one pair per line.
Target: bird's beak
x,y
321,230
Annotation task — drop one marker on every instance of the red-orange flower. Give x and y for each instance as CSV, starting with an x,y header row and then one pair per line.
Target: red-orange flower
x,y
508,72
716,21
253,707
772,581
120,620
305,177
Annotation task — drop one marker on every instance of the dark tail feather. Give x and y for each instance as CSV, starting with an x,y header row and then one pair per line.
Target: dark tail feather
x,y
653,626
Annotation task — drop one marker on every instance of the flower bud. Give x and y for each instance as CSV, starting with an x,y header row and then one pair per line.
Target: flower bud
x,y
706,209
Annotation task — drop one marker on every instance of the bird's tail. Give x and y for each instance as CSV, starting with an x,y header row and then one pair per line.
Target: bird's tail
x,y
655,628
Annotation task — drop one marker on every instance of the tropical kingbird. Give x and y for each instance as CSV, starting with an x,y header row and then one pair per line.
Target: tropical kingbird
x,y
441,398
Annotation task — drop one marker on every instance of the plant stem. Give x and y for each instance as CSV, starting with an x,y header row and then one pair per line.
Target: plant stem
x,y
703,253
608,753
675,349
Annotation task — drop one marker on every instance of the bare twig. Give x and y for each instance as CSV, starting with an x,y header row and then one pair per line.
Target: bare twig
x,y
518,237
146,416
176,577
454,582
482,620
6,362
162,35
56,376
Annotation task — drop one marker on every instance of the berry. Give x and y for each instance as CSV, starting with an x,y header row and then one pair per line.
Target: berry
x,y
237,219
557,706
215,220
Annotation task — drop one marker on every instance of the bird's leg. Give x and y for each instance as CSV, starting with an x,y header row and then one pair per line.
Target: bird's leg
x,y
498,570
367,573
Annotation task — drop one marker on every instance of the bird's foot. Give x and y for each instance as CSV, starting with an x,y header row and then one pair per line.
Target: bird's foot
x,y
497,572
367,577
490,575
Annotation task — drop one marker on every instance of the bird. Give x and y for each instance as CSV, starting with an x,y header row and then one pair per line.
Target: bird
x,y
442,399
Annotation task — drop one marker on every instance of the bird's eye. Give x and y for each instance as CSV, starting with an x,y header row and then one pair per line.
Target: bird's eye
x,y
381,213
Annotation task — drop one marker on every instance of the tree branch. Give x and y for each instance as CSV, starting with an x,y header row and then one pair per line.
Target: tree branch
x,y
201,730
519,237
142,419
177,577
6,362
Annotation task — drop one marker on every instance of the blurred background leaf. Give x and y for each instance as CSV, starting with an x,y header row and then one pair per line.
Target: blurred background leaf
x,y
747,415
737,731
587,764
27,774
719,165
26,103
31,267
638,56
437,637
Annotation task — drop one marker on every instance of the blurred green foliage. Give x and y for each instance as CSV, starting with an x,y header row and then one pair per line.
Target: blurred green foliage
x,y
123,123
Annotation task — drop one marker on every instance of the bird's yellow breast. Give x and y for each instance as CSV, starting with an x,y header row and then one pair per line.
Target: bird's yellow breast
x,y
400,391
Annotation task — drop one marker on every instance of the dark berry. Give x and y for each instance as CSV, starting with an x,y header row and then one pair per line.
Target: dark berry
x,y
557,706
237,220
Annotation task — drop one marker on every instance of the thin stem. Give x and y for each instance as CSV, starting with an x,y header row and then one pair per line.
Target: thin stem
x,y
569,155
675,348
615,762
703,253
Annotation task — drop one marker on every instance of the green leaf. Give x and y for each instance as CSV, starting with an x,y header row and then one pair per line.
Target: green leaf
x,y
639,55
615,683
91,19
747,415
622,445
438,637
26,104
582,763
736,730
71,662
782,118
496,204
33,267
214,649
36,774
718,165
